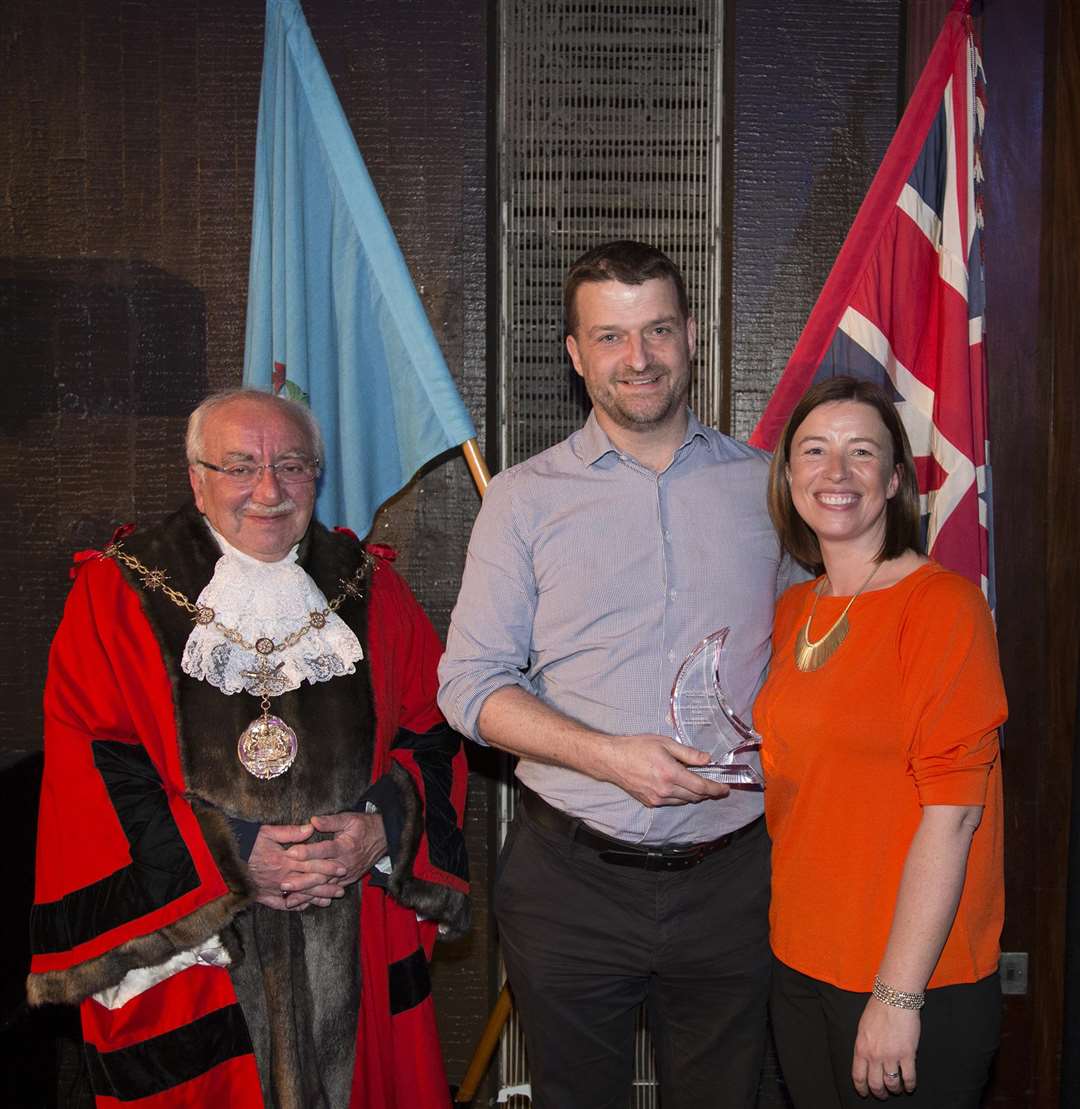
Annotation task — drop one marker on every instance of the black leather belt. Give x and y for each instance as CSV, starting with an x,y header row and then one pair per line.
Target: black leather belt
x,y
668,856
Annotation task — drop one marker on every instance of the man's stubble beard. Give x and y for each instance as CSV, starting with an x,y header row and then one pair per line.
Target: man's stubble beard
x,y
636,419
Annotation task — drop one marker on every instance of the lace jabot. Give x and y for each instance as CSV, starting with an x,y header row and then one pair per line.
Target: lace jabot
x,y
266,599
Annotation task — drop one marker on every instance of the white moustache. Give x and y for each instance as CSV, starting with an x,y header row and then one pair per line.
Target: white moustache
x,y
286,506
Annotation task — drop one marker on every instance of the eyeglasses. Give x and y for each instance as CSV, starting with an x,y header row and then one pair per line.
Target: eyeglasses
x,y
290,471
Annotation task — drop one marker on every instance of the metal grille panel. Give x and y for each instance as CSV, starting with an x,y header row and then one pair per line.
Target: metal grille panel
x,y
609,127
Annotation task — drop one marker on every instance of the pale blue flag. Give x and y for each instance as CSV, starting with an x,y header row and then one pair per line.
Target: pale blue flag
x,y
332,311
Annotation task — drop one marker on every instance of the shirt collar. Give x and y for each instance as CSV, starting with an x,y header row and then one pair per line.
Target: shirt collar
x,y
593,442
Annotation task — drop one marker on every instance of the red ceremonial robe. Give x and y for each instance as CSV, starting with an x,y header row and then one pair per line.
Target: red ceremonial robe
x,y
134,866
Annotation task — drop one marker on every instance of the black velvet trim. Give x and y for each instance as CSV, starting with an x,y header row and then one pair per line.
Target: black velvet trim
x,y
161,867
410,982
435,751
440,738
165,1061
245,832
386,797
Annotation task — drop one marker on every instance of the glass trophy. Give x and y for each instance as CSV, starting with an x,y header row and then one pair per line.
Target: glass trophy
x,y
703,717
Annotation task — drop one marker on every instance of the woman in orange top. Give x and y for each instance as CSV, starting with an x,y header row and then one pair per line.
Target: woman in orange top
x,y
883,795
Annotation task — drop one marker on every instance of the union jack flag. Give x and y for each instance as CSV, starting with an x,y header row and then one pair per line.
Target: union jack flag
x,y
904,303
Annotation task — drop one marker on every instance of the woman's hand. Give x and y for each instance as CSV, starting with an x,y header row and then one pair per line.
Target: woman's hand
x,y
930,886
885,1046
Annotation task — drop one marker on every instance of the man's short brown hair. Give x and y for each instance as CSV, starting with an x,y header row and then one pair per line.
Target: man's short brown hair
x,y
625,261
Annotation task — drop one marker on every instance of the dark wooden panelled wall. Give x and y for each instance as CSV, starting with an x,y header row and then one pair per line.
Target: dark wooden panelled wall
x,y
1033,244
127,142
127,135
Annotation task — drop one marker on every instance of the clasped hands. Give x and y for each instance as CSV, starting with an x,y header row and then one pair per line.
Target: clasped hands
x,y
291,871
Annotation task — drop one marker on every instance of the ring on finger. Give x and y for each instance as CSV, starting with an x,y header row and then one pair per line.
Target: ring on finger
x,y
892,1074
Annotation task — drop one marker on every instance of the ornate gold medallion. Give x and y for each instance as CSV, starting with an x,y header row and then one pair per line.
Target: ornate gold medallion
x,y
267,747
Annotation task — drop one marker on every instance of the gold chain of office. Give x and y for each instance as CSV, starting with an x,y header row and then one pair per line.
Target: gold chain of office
x,y
204,615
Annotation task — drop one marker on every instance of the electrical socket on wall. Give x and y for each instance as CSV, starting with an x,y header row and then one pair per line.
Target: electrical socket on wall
x,y
1013,971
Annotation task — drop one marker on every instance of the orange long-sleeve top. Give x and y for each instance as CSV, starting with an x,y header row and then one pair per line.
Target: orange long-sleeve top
x,y
904,714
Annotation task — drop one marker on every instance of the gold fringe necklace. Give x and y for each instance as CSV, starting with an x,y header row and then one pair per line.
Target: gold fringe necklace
x,y
812,655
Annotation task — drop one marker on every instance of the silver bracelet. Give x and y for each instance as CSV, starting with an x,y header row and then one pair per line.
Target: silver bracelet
x,y
897,998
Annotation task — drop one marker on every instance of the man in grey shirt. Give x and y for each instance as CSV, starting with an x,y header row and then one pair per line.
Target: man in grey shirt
x,y
593,569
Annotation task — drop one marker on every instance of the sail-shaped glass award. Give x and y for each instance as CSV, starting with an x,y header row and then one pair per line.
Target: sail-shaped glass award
x,y
703,717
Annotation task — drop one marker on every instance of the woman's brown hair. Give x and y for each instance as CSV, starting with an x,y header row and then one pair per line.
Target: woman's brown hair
x,y
902,529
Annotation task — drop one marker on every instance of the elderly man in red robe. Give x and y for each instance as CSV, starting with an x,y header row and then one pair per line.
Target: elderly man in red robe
x,y
250,824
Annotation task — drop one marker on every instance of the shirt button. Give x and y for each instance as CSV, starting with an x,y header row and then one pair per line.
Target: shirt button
x,y
667,536
671,656
673,594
